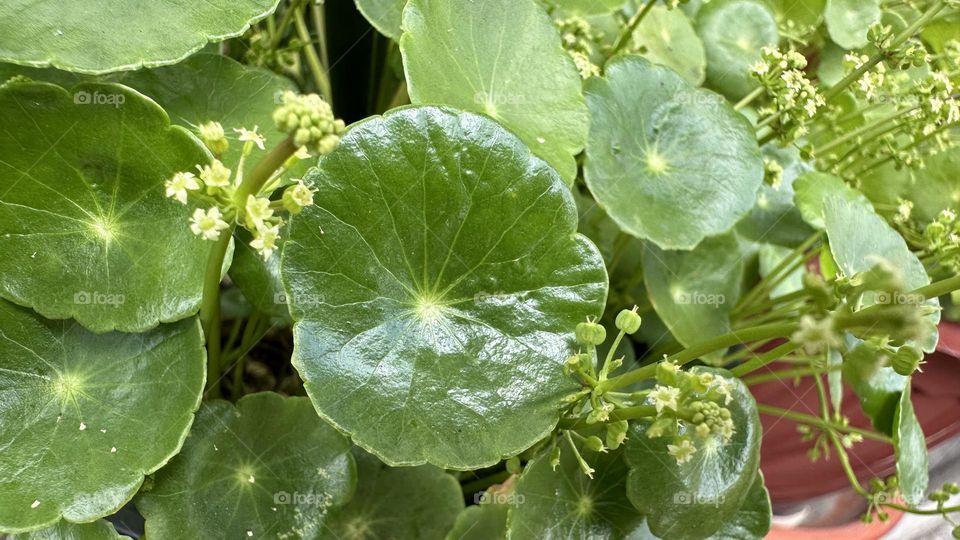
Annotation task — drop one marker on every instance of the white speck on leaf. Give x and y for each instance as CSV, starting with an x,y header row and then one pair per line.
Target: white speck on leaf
x,y
35,504
82,426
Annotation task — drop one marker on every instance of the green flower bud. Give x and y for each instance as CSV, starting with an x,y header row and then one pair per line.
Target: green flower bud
x,y
594,444
951,488
513,465
590,333
297,197
956,532
628,320
617,433
555,457
907,360
213,137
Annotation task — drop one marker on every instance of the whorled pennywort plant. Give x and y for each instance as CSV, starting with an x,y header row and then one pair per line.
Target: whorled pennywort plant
x,y
524,293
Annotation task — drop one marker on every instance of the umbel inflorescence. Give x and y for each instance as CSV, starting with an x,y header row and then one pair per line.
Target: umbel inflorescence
x,y
238,197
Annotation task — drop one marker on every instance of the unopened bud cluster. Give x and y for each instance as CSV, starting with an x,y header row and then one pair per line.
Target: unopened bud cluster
x,y
310,121
793,97
217,187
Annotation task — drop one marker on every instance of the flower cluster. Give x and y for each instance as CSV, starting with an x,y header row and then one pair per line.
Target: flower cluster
x,y
581,43
226,201
793,97
690,409
310,121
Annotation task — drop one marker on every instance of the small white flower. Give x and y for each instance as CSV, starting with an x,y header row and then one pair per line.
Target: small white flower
x,y
265,240
211,131
207,224
258,210
252,136
301,194
178,186
215,174
665,396
682,452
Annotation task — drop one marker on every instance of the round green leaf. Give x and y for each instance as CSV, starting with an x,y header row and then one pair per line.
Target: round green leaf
x,y
695,291
812,190
878,387
402,503
486,520
806,14
775,219
502,58
87,415
684,167
451,278
849,20
95,36
244,96
259,279
97,530
587,7
910,447
859,238
668,38
384,15
267,467
85,229
567,504
752,521
733,33
933,188
695,499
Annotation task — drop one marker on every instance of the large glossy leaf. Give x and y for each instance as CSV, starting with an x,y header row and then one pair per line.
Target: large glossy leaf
x,y
97,36
911,451
695,499
695,291
813,189
259,279
733,33
384,15
267,467
859,238
402,503
803,13
451,277
685,165
849,20
502,58
209,87
775,219
752,521
487,519
933,188
567,504
244,96
86,416
587,7
85,229
97,530
668,38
